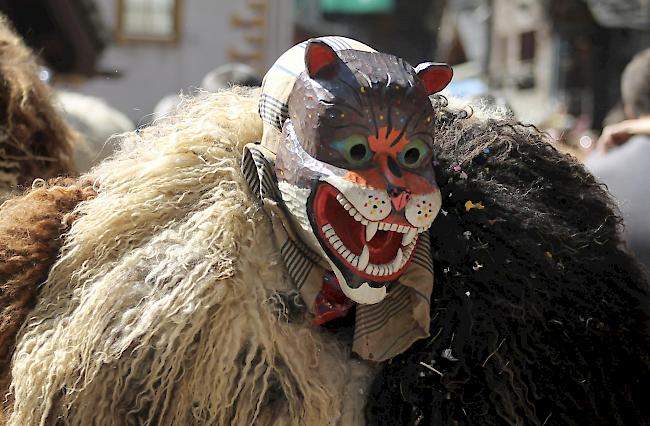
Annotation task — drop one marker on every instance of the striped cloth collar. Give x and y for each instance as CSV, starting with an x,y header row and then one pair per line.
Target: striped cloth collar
x,y
381,331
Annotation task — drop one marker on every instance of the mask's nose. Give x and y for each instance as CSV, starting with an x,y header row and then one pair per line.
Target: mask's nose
x,y
395,182
399,197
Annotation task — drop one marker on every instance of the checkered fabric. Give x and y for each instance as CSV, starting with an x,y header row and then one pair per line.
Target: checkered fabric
x,y
279,80
383,330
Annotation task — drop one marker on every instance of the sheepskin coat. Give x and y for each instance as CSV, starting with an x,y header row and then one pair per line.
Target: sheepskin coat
x,y
165,306
30,227
168,304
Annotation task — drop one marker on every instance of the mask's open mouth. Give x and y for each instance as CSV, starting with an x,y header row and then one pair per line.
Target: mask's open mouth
x,y
377,251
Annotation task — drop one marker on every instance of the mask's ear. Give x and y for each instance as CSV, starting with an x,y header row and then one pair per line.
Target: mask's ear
x,y
434,76
319,58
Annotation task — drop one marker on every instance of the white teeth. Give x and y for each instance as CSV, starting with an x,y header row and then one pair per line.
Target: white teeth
x,y
381,226
364,258
371,230
395,265
362,261
397,262
329,231
409,236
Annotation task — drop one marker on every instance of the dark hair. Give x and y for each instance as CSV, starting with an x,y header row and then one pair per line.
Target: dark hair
x,y
539,316
33,134
635,84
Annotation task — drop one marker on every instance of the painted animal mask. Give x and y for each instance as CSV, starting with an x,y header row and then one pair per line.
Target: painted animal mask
x,y
355,164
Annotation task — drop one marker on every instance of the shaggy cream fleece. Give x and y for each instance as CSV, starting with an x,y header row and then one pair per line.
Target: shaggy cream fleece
x,y
161,309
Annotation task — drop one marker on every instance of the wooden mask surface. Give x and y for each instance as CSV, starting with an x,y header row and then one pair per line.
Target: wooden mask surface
x,y
358,151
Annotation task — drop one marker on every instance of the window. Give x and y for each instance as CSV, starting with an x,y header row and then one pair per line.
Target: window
x,y
527,46
148,20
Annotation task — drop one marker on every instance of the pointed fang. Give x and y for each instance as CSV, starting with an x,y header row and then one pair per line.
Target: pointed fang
x,y
364,258
397,262
371,230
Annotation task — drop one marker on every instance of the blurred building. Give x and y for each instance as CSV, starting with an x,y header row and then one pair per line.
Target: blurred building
x,y
166,46
520,62
547,57
406,28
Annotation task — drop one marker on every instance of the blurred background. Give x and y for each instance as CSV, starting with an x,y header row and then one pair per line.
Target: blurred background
x,y
555,63
117,65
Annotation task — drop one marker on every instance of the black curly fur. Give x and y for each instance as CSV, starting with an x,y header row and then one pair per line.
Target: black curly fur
x,y
539,315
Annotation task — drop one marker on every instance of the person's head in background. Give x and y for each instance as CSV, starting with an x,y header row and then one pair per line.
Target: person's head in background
x,y
228,75
635,102
635,86
220,78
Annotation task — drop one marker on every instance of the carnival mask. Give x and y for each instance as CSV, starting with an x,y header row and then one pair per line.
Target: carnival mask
x,y
355,166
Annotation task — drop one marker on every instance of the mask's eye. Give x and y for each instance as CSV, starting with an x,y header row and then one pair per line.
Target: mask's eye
x,y
414,154
355,150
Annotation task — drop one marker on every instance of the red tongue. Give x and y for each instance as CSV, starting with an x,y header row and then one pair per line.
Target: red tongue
x,y
382,247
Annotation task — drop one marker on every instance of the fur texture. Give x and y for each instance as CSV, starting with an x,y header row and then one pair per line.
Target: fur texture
x,y
539,316
35,142
30,240
164,306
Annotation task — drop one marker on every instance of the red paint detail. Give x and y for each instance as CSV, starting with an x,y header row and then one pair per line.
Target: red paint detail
x,y
383,246
373,178
318,56
400,201
378,176
435,77
381,143
330,302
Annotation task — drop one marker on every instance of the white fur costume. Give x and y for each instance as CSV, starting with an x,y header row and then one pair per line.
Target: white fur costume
x,y
163,308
